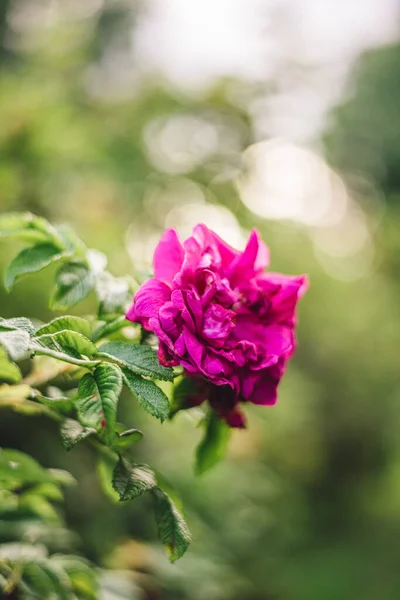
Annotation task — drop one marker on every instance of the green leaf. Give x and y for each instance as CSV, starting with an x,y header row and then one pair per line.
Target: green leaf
x,y
213,446
110,327
29,228
172,528
59,403
17,323
130,480
83,578
38,505
62,477
137,358
113,293
17,469
17,343
59,579
10,394
184,395
8,371
126,438
70,342
74,282
73,432
98,398
31,260
148,394
71,240
71,323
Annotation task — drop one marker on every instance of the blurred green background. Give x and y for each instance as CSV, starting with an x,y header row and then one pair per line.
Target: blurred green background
x,y
123,118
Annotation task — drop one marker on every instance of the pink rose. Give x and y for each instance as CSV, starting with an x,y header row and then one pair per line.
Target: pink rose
x,y
216,313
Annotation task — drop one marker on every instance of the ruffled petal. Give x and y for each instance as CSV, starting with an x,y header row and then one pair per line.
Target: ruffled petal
x,y
168,256
149,299
251,261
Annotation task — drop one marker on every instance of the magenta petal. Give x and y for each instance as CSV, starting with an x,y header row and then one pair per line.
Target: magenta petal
x,y
284,299
194,348
131,314
168,256
150,297
226,252
253,259
265,391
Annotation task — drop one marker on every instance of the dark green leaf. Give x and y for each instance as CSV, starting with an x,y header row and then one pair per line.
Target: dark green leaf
x,y
71,323
73,432
172,528
131,480
184,395
98,398
140,359
31,260
213,446
148,394
70,342
8,371
16,342
74,282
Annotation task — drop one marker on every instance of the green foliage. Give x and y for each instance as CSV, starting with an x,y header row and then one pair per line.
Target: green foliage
x,y
213,446
88,412
131,480
74,282
73,432
31,565
98,395
138,359
8,370
171,527
30,260
148,394
76,324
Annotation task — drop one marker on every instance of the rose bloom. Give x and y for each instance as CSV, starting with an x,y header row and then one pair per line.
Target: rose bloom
x,y
217,313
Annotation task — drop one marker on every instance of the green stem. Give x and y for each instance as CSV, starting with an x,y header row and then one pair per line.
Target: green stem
x,y
65,358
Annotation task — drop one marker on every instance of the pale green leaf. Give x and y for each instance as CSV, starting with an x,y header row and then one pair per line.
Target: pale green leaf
x,y
8,371
70,342
17,468
29,228
17,343
148,394
71,323
71,240
126,438
60,404
31,260
140,359
17,323
110,327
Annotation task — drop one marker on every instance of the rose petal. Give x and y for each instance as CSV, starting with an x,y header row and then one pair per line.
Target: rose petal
x,y
168,256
